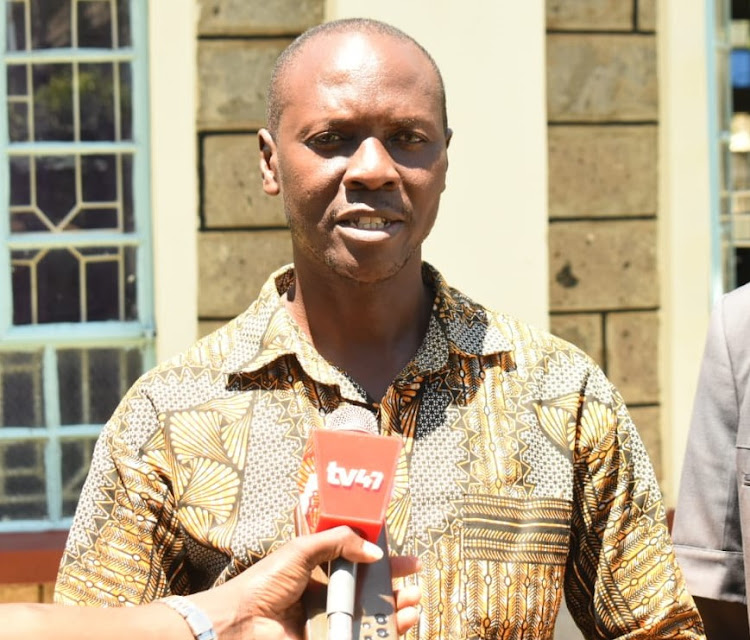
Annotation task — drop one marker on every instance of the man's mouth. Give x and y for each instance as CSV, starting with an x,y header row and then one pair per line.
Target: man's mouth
x,y
368,222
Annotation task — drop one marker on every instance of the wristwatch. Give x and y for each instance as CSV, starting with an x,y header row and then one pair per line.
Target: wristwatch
x,y
200,624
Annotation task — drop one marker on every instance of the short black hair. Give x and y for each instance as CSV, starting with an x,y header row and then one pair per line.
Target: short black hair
x,y
274,102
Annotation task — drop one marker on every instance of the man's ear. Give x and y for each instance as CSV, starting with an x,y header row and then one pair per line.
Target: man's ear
x,y
268,163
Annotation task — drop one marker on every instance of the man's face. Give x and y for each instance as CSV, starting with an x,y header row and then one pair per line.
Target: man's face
x,y
359,156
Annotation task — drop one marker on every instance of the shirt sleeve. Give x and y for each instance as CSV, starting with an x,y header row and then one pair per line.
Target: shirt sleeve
x,y
707,533
622,579
123,544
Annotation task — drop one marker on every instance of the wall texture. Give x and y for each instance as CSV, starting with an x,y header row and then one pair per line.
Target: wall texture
x,y
242,231
602,128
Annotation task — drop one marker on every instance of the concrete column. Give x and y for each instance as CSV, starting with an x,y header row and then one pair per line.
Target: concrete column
x,y
684,232
174,184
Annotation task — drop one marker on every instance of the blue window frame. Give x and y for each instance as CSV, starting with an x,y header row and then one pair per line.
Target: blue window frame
x,y
76,310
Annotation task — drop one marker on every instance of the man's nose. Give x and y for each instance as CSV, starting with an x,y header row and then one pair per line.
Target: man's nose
x,y
371,167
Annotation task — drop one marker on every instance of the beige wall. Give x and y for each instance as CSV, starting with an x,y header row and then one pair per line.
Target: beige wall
x,y
490,236
174,185
685,223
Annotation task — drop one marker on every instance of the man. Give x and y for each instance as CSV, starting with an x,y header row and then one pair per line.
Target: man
x,y
263,601
712,519
521,472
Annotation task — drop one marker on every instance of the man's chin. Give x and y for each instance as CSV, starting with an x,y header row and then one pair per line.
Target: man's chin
x,y
366,276
369,273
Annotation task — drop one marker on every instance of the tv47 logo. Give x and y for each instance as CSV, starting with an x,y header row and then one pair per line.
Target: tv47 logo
x,y
342,477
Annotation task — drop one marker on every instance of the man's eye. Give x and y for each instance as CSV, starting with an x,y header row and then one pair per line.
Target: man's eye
x,y
327,139
407,137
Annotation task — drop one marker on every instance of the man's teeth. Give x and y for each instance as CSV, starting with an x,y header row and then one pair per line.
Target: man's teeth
x,y
369,222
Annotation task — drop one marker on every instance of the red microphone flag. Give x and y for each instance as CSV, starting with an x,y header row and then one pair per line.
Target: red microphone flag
x,y
355,473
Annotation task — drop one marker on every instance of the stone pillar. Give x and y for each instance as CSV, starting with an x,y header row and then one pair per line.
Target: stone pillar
x,y
602,131
243,234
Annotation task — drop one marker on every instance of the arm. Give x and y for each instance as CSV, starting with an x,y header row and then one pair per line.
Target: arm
x,y
622,579
124,535
708,539
263,602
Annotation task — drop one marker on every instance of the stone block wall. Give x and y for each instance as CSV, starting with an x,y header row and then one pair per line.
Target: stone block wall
x,y
243,234
602,114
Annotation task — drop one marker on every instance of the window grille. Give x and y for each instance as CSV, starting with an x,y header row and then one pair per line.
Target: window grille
x,y
76,316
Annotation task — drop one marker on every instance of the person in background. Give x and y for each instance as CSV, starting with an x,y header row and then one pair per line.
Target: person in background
x,y
521,475
712,518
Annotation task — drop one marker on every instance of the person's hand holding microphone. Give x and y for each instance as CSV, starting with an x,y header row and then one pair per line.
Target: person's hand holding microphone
x,y
264,602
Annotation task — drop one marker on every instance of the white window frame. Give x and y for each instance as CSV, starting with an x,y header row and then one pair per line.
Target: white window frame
x,y
112,334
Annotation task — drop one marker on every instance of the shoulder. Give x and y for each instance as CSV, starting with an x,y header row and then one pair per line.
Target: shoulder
x,y
541,355
203,367
478,329
231,345
736,303
730,320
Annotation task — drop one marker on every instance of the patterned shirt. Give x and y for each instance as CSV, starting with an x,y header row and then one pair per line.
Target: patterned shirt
x,y
521,476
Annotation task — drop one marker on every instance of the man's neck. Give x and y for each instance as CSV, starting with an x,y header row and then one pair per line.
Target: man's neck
x,y
371,331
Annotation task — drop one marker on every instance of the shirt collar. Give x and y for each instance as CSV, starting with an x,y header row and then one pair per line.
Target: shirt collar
x,y
458,326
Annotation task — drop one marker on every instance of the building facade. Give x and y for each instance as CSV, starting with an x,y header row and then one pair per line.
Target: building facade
x,y
588,165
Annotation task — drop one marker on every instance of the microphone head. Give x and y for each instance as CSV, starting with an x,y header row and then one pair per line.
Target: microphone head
x,y
347,473
349,417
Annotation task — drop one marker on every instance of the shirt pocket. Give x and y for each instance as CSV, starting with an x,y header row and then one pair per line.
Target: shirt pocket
x,y
514,552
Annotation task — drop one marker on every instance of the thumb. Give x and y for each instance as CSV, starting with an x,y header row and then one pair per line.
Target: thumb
x,y
339,542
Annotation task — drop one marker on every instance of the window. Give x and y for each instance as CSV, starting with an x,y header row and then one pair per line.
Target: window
x,y
76,316
731,122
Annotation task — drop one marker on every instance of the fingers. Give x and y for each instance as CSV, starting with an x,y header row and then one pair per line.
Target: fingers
x,y
407,613
408,596
402,566
406,619
320,547
338,542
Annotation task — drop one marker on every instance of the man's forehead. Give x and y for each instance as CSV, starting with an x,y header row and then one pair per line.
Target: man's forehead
x,y
356,50
354,62
353,53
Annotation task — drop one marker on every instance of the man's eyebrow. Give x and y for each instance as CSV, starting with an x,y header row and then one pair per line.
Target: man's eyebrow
x,y
415,121
322,124
408,122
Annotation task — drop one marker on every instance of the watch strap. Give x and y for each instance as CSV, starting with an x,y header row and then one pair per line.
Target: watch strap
x,y
200,624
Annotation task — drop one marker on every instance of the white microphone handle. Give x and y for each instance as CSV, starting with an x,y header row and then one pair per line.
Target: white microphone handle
x,y
342,585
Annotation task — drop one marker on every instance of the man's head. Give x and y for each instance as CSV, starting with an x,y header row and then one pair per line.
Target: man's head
x,y
276,93
357,148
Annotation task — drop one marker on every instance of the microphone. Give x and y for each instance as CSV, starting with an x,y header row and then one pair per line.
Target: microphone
x,y
350,471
